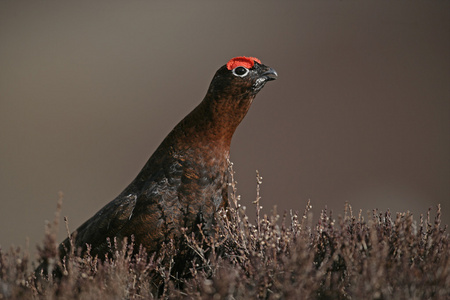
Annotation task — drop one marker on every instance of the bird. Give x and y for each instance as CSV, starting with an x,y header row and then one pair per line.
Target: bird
x,y
185,181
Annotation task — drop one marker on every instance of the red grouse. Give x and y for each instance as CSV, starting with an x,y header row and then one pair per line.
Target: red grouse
x,y
184,182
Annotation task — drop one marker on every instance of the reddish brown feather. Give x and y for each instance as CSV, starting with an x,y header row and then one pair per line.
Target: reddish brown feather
x,y
184,182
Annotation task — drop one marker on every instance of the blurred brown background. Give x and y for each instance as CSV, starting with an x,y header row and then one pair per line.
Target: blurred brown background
x,y
88,90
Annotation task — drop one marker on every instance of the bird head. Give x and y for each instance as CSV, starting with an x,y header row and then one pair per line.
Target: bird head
x,y
242,77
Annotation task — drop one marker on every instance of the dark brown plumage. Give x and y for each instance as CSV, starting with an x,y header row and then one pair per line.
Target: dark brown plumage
x,y
184,182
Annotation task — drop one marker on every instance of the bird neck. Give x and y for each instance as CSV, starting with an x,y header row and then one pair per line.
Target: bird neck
x,y
202,138
213,122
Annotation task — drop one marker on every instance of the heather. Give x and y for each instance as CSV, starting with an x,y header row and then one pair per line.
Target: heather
x,y
354,255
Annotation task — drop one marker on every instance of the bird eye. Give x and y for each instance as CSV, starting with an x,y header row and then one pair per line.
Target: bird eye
x,y
240,71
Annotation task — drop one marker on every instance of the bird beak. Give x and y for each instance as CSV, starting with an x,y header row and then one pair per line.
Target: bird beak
x,y
269,75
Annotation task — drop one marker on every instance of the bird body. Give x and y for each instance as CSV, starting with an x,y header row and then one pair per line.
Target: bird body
x,y
184,182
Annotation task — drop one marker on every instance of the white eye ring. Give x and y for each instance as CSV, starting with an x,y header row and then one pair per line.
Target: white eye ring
x,y
238,71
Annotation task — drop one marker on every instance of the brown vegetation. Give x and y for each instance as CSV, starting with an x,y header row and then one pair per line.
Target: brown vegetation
x,y
382,256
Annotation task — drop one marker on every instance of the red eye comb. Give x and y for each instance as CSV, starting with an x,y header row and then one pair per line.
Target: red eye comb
x,y
242,61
